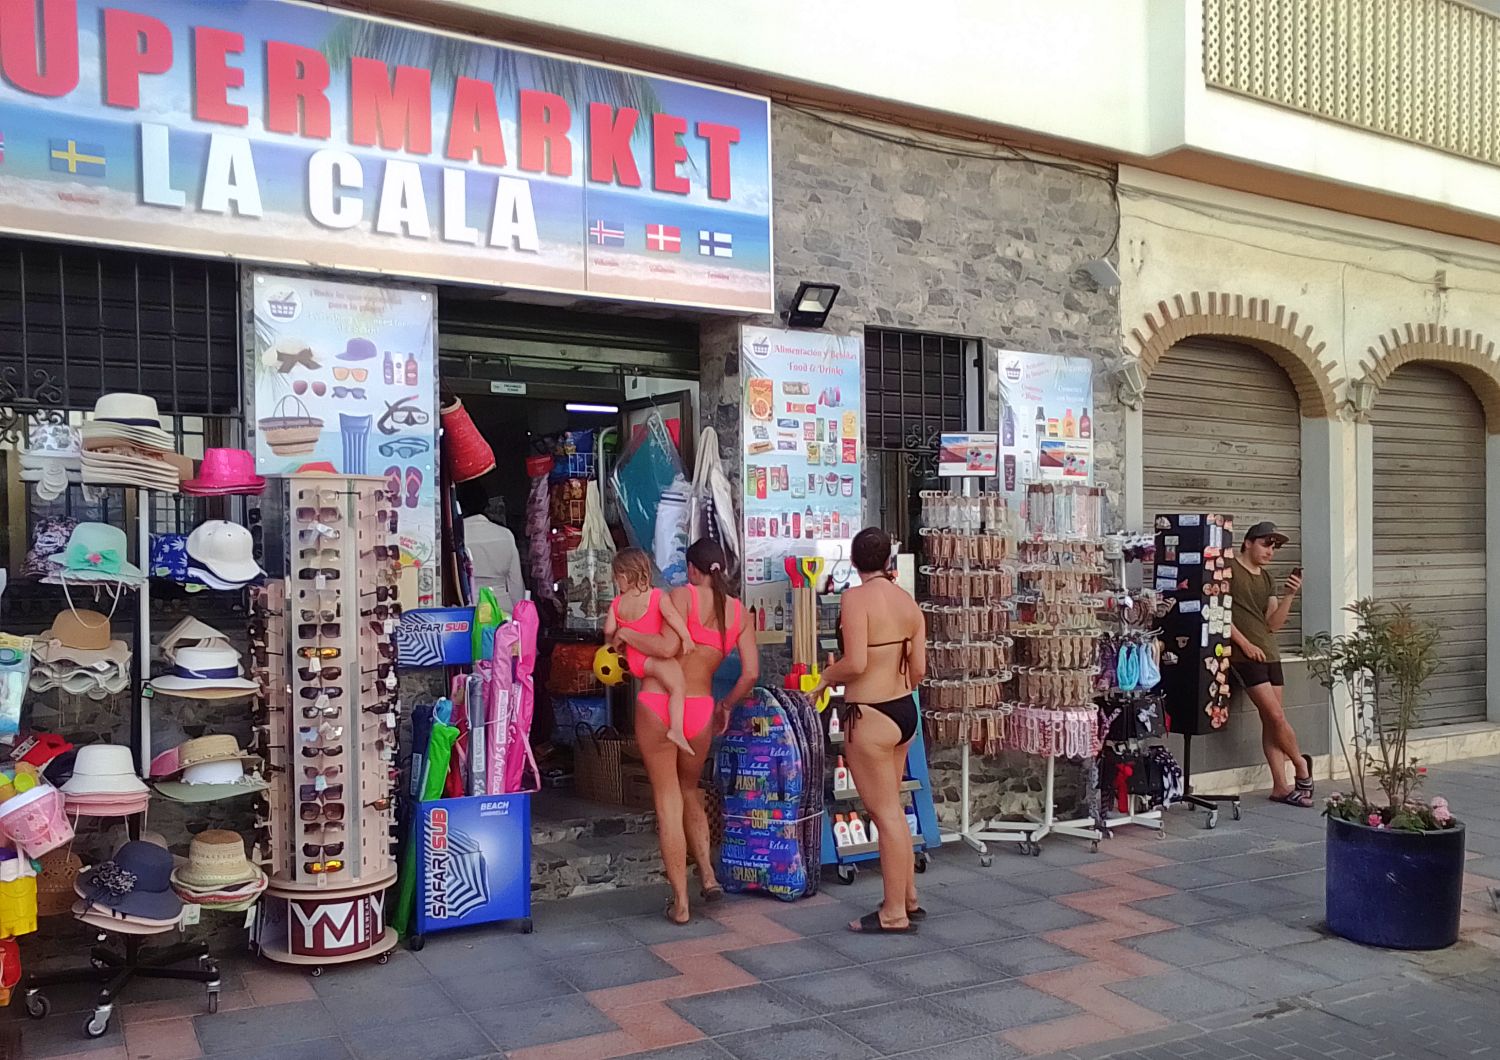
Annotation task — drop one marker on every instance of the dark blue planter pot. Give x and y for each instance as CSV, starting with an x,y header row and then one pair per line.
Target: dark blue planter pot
x,y
1400,890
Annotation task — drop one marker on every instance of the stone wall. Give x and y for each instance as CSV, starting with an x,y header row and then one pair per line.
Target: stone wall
x,y
950,237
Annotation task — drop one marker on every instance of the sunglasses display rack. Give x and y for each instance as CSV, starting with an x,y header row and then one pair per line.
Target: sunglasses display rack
x,y
331,723
1194,570
968,577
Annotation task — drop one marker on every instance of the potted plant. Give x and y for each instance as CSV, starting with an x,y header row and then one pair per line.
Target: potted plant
x,y
1395,860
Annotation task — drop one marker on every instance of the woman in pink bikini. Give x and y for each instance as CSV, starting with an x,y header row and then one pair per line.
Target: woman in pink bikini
x,y
716,626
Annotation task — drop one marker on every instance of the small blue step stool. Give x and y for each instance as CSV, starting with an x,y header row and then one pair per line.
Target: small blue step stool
x,y
917,785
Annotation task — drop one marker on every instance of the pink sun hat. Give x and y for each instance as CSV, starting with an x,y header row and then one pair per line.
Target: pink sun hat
x,y
225,471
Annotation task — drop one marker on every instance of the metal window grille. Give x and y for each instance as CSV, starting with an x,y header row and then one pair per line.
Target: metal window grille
x,y
915,389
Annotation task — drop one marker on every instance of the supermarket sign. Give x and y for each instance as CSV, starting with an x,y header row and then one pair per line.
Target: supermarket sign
x,y
283,131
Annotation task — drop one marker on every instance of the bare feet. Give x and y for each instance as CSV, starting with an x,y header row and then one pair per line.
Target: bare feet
x,y
681,740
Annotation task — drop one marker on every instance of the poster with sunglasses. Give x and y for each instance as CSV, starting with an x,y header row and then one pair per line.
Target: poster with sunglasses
x,y
342,376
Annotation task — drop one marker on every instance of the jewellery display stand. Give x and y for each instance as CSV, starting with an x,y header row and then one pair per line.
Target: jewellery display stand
x,y
113,968
1193,569
968,537
331,725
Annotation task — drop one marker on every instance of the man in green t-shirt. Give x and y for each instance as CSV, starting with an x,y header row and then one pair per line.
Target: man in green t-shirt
x,y
1256,662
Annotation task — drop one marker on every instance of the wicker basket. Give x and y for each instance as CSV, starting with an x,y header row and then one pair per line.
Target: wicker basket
x,y
291,435
596,764
54,884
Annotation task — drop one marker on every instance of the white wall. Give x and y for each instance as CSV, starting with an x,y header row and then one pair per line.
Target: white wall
x,y
1122,76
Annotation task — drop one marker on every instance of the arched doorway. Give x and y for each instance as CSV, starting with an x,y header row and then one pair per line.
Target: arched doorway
x,y
1222,432
1429,527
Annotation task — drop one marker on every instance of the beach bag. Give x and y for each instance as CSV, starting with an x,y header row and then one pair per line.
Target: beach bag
x,y
290,432
596,764
711,504
590,583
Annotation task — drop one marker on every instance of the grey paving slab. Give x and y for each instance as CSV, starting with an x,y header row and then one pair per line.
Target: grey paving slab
x,y
742,1009
268,1026
932,973
1304,885
1024,956
379,1007
1187,947
541,1022
1186,909
822,919
578,940
705,1050
1056,882
870,946
1345,961
783,959
848,988
607,970
1001,1006
1252,896
1267,978
797,1041
403,970
989,895
896,1027
1262,932
449,1038
313,1049
470,991
986,1047
1182,995
970,926
1039,917
1187,876
471,953
653,928
62,1034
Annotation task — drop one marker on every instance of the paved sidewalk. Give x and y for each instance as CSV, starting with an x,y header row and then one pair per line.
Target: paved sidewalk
x,y
1203,944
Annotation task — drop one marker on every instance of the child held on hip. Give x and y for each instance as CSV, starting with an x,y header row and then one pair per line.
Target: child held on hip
x,y
640,609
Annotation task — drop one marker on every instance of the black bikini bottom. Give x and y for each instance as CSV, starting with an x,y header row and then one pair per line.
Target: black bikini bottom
x,y
902,711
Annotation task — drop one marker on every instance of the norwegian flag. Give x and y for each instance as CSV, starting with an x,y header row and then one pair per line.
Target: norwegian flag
x,y
607,233
664,238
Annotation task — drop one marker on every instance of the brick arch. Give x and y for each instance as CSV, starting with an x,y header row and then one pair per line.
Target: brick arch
x,y
1467,354
1251,321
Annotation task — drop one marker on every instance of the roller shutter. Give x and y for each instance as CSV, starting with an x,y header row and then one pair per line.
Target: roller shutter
x,y
1429,525
1222,433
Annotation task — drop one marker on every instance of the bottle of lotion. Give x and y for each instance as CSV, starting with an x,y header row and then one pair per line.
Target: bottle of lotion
x,y
835,727
874,832
857,834
911,820
840,831
841,775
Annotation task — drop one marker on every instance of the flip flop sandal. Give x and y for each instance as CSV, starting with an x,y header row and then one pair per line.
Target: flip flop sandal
x,y
413,486
1298,797
916,914
393,485
870,924
712,895
1306,785
667,914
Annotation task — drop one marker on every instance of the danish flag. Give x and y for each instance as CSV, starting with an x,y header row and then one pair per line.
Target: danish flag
x,y
664,238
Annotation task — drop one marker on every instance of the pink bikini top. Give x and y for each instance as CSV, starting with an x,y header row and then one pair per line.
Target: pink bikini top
x,y
649,623
721,642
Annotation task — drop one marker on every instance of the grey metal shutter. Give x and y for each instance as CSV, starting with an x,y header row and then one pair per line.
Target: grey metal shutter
x,y
1222,433
1429,525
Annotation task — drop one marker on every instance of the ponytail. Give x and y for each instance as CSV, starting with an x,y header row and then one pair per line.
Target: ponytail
x,y
708,556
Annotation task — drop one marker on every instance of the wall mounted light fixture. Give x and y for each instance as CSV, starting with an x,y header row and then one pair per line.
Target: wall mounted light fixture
x,y
811,304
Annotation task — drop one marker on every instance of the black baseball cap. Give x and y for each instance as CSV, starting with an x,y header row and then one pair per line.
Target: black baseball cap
x,y
1266,528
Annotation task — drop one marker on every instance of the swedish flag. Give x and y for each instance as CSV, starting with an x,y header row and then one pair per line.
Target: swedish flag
x,y
76,158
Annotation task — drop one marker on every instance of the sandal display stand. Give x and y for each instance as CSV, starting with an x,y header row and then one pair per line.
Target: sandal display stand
x,y
1193,569
331,747
115,968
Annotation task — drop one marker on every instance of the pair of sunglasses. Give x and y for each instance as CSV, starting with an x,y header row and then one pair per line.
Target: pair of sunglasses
x,y
312,713
382,593
311,573
326,772
322,651
330,752
332,811
310,630
311,514
314,691
311,796
311,535
359,375
332,850
318,868
322,830
327,673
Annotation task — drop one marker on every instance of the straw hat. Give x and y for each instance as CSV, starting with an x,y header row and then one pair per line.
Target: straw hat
x,y
206,672
216,860
130,417
191,632
210,768
82,638
208,749
54,883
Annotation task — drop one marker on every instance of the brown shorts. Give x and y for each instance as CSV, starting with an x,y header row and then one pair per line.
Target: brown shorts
x,y
1250,673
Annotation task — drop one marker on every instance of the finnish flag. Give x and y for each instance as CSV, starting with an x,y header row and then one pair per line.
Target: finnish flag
x,y
715,244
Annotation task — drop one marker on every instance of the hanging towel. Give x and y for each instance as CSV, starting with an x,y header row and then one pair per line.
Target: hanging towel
x,y
711,508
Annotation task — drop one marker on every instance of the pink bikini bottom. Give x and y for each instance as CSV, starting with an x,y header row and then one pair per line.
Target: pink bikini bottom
x,y
696,711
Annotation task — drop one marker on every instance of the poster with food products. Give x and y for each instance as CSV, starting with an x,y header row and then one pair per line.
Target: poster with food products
x,y
803,445
1046,419
343,380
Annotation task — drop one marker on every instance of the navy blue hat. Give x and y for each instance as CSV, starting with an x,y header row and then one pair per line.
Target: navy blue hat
x,y
137,881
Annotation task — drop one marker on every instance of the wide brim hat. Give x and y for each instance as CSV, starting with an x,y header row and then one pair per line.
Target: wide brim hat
x,y
136,882
205,672
82,638
131,467
104,769
205,750
178,791
95,552
216,859
225,471
128,415
225,550
97,917
106,805
193,632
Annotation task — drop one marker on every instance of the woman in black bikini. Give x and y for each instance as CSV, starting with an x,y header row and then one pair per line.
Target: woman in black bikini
x,y
885,657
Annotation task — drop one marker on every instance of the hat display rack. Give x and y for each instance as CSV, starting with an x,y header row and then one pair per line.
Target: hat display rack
x,y
329,614
132,895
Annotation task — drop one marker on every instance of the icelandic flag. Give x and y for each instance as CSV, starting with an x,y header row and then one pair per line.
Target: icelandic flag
x,y
76,158
715,244
664,238
607,233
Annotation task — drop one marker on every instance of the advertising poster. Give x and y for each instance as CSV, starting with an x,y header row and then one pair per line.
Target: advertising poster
x,y
1046,409
969,455
802,425
475,861
343,376
283,131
